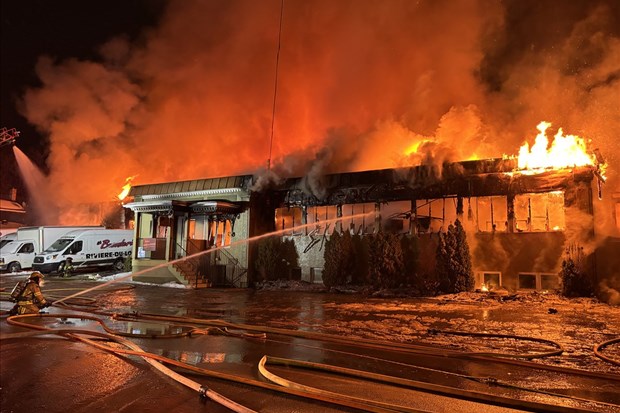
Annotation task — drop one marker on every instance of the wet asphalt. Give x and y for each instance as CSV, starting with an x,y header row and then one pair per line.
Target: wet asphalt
x,y
55,374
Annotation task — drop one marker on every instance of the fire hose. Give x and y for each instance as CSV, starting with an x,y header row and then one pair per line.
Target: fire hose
x,y
406,383
302,391
157,360
153,359
221,327
514,359
361,343
600,346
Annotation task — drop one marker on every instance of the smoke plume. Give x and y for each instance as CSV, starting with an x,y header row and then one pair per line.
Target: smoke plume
x,y
360,83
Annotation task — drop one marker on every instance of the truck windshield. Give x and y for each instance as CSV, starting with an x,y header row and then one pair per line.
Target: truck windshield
x,y
10,247
59,245
4,242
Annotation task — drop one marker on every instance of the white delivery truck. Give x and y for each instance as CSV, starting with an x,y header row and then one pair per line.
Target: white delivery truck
x,y
87,248
19,253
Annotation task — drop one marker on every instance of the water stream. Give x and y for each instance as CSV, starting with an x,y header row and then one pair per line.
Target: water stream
x,y
36,186
239,242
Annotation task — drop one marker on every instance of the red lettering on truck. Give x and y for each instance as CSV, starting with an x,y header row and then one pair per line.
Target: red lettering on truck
x,y
107,244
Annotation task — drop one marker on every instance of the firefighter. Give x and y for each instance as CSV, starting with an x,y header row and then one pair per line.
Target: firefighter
x,y
31,299
68,267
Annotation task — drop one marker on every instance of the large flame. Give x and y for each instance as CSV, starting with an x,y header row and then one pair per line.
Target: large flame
x,y
413,148
126,188
565,151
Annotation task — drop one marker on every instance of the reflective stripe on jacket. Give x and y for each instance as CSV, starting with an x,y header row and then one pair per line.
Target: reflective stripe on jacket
x,y
32,294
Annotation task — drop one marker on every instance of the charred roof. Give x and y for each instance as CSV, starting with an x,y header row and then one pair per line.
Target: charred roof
x,y
489,177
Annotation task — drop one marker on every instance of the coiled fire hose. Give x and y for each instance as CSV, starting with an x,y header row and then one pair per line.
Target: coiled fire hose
x,y
222,327
401,346
303,391
135,350
153,359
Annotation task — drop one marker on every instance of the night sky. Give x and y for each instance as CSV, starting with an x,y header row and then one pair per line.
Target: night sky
x,y
59,29
184,89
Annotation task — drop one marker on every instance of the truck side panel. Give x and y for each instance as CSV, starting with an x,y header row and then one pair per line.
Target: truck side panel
x,y
89,248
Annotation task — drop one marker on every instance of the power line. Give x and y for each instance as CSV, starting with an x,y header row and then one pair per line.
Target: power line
x,y
275,86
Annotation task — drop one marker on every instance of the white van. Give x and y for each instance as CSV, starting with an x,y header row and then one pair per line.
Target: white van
x,y
87,248
19,253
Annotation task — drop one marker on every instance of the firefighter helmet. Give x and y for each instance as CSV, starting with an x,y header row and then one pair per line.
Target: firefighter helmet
x,y
36,275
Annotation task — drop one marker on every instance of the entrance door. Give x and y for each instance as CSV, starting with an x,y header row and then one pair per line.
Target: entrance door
x,y
180,248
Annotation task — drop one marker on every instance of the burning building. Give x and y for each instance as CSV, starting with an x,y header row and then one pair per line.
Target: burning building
x,y
519,222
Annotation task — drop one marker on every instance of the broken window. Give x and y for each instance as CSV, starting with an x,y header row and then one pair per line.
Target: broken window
x,y
434,215
321,216
429,215
361,219
289,218
488,279
395,216
539,212
491,213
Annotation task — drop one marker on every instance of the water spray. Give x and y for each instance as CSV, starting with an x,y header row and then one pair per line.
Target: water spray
x,y
247,240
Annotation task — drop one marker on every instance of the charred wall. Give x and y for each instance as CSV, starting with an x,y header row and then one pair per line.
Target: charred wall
x,y
512,254
608,270
262,220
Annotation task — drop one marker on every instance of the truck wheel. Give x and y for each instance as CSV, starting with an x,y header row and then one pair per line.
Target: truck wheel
x,y
14,267
119,265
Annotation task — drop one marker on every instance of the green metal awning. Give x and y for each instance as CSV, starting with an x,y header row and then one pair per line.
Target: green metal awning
x,y
197,186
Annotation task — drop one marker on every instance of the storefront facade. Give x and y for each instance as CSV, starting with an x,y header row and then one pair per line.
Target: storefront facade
x,y
177,223
518,224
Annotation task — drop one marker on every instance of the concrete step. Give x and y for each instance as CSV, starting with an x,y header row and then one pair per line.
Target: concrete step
x,y
185,267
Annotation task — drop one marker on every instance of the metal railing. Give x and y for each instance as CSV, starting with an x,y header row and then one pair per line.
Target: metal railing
x,y
237,270
193,262
218,268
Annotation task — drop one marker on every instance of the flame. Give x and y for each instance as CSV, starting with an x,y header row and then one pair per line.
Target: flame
x,y
126,188
565,151
413,148
484,288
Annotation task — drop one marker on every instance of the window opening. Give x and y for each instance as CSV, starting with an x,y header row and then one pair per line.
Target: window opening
x,y
527,281
539,212
488,280
153,231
